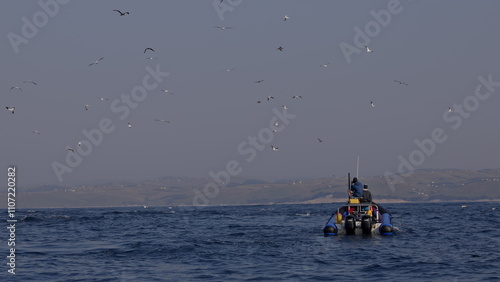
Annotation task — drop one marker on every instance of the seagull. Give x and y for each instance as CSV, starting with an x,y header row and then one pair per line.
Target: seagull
x,y
325,65
401,82
368,50
167,91
148,49
276,123
102,99
70,149
86,107
258,81
79,143
223,27
231,69
274,148
270,97
96,62
162,120
371,104
121,14
296,97
450,110
258,102
16,87
35,132
151,58
286,17
129,125
319,140
280,48
285,107
30,81
11,109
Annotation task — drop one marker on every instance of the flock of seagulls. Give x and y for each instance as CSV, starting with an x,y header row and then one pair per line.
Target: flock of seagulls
x,y
166,91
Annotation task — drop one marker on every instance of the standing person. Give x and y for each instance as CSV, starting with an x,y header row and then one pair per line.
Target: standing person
x,y
367,195
356,188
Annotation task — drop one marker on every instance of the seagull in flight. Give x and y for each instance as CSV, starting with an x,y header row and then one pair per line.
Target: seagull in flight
x,y
96,62
258,102
16,87
129,125
86,107
121,14
286,17
319,140
274,148
223,27
371,104
167,91
231,69
401,82
285,107
148,49
79,143
296,97
450,110
162,120
102,99
259,81
70,149
35,132
280,48
270,97
11,109
30,81
368,50
325,65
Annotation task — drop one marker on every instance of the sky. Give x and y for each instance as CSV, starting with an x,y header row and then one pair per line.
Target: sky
x,y
442,50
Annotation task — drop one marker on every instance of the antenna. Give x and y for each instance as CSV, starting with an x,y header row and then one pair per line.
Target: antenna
x,y
357,168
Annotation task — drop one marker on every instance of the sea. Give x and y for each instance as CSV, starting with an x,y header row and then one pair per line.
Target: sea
x,y
457,241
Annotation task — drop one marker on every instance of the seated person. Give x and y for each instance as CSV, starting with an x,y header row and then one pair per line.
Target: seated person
x,y
367,195
356,188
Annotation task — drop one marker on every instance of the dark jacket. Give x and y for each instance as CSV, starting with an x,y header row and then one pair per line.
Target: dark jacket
x,y
357,190
367,196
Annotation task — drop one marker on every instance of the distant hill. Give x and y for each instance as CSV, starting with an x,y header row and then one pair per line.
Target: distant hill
x,y
422,185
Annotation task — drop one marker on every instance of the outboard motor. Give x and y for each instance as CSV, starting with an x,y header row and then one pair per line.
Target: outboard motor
x,y
366,224
386,227
350,225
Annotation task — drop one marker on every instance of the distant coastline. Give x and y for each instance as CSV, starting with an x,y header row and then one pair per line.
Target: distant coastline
x,y
429,186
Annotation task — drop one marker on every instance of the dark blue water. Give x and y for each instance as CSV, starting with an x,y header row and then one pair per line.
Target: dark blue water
x,y
435,242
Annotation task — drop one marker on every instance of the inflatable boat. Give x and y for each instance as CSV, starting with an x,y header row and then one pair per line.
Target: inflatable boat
x,y
359,218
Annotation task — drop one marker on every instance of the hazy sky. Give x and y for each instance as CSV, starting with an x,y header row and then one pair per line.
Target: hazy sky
x,y
439,48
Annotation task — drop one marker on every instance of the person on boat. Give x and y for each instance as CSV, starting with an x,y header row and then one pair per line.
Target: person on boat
x,y
367,195
356,188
